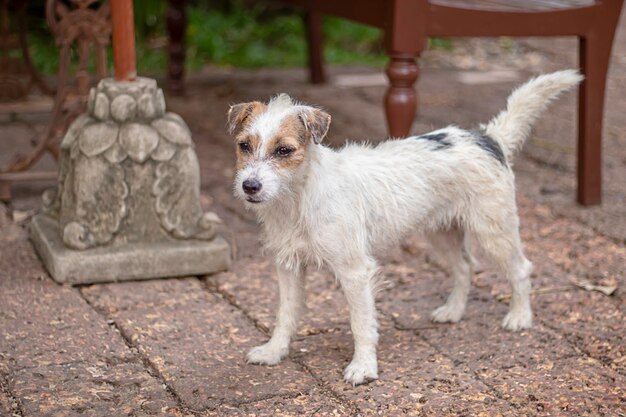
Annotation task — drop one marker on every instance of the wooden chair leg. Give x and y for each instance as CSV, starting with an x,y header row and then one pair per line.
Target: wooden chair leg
x,y
401,97
594,52
314,37
176,27
5,191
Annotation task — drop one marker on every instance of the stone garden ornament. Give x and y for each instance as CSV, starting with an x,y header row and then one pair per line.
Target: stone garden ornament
x,y
127,202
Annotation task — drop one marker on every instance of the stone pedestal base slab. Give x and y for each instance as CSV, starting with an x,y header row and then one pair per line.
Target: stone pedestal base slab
x,y
125,262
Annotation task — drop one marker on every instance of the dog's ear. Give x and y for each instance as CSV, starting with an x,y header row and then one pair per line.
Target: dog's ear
x,y
239,113
316,122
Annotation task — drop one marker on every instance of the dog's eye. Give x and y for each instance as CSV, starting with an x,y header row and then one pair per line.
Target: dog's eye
x,y
244,147
283,151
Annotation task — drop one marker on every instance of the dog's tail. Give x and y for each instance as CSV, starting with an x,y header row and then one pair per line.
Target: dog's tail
x,y
512,126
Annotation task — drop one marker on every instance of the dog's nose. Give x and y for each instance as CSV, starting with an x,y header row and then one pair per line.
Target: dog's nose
x,y
251,186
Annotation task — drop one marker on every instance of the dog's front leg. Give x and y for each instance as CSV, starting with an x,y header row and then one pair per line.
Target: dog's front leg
x,y
291,288
357,284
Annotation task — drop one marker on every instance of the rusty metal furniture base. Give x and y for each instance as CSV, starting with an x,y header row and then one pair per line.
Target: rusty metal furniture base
x,y
85,25
19,81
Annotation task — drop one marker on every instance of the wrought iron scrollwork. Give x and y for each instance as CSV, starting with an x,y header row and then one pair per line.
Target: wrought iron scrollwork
x,y
80,28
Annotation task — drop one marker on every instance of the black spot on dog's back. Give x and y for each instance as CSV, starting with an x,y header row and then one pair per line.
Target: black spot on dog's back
x,y
490,145
439,139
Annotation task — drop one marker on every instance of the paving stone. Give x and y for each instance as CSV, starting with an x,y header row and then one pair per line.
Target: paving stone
x,y
111,299
44,323
588,320
312,403
578,386
59,328
481,344
552,241
6,404
253,285
416,287
199,348
18,263
60,356
478,337
91,390
413,378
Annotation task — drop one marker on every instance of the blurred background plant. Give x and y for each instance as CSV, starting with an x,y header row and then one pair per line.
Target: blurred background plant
x,y
238,33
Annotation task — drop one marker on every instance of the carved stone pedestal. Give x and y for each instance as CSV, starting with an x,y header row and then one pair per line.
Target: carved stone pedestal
x,y
127,202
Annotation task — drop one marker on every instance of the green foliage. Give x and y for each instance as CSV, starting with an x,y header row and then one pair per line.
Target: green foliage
x,y
149,17
253,37
43,53
244,38
440,43
230,34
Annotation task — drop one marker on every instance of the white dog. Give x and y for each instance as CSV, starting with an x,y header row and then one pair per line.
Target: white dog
x,y
340,208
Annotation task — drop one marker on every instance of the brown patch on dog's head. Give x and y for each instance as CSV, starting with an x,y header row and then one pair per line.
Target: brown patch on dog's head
x,y
288,146
316,122
241,114
247,145
239,117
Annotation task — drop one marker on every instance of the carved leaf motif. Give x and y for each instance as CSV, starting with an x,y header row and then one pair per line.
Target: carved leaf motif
x,y
177,195
123,108
164,152
77,236
74,130
91,100
115,154
97,138
159,103
146,106
175,117
99,205
138,141
74,150
173,130
101,106
52,199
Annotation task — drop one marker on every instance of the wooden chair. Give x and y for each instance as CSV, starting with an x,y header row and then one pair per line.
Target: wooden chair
x,y
407,24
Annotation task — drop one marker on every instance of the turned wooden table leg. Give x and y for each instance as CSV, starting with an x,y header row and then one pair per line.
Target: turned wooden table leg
x,y
5,191
401,97
314,37
590,112
176,28
594,55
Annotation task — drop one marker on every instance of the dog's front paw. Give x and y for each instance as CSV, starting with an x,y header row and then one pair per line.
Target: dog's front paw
x,y
267,354
361,371
518,319
448,313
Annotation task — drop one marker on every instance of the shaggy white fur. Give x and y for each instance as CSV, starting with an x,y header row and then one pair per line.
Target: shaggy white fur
x,y
341,208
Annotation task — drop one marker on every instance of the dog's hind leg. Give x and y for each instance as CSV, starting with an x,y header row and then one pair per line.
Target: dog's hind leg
x,y
453,256
499,237
357,282
291,288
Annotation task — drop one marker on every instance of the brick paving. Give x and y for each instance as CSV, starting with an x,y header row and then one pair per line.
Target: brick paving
x,y
176,347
